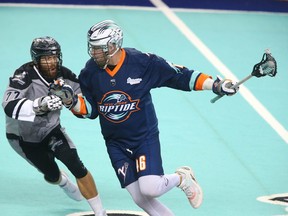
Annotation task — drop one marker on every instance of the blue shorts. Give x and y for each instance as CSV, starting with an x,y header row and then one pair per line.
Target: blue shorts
x,y
130,164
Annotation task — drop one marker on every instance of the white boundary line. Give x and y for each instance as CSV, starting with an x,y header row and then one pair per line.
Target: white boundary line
x,y
215,61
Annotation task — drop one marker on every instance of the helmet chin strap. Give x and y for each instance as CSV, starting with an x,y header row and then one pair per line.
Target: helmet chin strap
x,y
109,57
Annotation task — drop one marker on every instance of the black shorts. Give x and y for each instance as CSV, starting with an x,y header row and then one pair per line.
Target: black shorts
x,y
42,155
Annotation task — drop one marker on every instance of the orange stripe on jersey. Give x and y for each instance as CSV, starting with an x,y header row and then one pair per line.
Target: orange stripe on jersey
x,y
116,69
200,80
80,108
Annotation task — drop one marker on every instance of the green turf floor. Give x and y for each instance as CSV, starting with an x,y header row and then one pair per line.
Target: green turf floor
x,y
236,154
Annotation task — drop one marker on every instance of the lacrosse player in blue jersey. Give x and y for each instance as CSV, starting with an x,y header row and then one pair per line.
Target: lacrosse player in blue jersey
x,y
33,126
116,84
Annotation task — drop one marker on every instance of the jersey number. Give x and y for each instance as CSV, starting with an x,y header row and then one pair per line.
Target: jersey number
x,y
13,94
141,163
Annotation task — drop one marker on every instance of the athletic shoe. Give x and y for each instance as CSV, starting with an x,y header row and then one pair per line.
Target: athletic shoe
x,y
91,213
71,189
190,186
103,213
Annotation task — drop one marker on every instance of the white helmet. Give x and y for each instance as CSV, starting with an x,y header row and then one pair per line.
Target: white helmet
x,y
102,35
105,32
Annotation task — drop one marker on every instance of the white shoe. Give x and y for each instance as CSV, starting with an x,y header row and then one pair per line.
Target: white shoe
x,y
71,189
103,213
190,186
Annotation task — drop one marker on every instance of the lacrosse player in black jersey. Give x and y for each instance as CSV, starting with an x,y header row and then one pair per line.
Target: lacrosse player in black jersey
x,y
33,126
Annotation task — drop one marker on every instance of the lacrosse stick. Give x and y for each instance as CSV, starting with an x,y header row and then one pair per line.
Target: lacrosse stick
x,y
267,66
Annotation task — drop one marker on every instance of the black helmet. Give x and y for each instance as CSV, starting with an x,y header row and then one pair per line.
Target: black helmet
x,y
45,46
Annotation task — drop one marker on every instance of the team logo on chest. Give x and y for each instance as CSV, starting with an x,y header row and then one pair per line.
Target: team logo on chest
x,y
117,106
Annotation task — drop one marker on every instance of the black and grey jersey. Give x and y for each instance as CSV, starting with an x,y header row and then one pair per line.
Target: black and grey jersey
x,y
24,87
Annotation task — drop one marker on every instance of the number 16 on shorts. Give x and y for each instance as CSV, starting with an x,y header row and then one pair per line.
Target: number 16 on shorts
x,y
141,163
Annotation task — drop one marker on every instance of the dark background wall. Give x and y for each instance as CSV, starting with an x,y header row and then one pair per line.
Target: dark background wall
x,y
247,5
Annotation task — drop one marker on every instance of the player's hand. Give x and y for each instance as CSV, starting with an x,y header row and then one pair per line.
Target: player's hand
x,y
64,91
45,104
224,87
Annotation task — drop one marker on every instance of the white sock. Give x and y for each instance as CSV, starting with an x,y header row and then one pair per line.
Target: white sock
x,y
96,205
63,180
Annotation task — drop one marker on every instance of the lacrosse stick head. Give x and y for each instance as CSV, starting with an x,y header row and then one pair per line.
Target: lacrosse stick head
x,y
267,66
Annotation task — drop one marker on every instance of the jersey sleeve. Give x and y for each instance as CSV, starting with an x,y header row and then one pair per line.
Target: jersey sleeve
x,y
15,103
197,80
164,73
87,107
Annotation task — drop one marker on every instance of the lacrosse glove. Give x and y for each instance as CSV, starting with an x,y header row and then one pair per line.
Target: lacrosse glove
x,y
224,87
45,104
65,92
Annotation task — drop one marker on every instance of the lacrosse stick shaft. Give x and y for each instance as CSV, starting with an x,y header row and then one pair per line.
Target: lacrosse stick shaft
x,y
213,100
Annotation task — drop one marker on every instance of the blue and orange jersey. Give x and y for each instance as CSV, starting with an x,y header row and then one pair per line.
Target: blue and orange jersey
x,y
121,97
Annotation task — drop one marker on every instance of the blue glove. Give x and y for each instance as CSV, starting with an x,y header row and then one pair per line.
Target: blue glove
x,y
65,92
224,87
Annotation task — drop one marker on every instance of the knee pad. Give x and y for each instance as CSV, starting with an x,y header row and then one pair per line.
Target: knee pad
x,y
70,158
151,186
52,180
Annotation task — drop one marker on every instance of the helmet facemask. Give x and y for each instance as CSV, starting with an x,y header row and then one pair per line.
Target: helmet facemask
x,y
102,54
47,56
104,40
49,66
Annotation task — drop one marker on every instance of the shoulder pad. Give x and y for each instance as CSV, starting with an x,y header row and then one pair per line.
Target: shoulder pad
x,y
21,78
67,74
